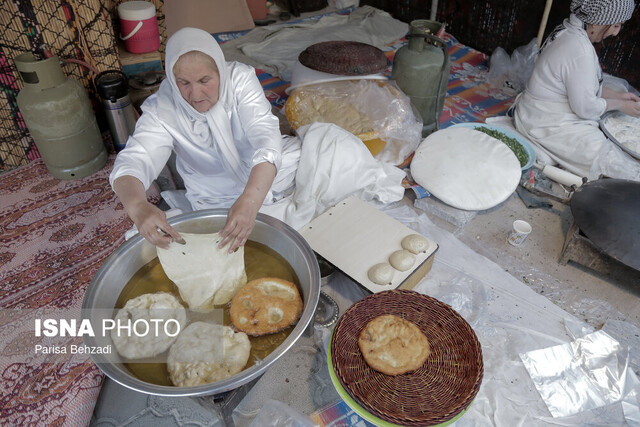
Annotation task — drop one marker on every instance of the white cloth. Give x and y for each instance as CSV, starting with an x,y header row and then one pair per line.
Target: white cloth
x,y
215,150
335,164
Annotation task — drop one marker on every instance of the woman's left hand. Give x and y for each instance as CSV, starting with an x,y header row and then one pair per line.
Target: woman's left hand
x,y
242,215
240,222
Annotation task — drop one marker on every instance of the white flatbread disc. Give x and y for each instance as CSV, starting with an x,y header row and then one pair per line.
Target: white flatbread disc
x,y
466,168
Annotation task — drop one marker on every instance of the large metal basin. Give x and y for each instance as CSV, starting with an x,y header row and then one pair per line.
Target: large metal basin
x,y
106,286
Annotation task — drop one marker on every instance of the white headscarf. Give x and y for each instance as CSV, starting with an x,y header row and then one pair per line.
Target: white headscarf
x,y
213,125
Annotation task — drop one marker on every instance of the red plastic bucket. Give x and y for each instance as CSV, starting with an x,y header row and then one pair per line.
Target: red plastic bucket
x,y
139,26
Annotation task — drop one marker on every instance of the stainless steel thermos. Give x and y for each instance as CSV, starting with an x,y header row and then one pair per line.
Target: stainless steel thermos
x,y
113,88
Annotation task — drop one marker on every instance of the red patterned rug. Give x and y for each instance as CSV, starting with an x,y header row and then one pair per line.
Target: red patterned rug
x,y
54,236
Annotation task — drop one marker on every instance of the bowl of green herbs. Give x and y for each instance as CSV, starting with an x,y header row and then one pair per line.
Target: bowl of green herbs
x,y
519,145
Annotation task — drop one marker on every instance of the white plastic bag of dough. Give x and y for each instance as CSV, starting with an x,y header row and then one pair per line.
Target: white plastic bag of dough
x,y
204,274
369,109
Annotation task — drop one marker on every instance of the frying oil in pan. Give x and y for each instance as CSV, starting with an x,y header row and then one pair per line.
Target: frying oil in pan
x,y
260,261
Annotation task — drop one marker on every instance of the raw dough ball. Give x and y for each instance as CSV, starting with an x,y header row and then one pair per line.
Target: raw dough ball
x,y
392,345
161,305
415,243
402,260
382,274
205,353
266,305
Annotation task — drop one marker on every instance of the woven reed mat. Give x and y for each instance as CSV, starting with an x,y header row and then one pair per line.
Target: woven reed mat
x,y
433,394
54,235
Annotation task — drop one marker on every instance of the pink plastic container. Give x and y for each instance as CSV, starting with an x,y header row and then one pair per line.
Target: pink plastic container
x,y
139,26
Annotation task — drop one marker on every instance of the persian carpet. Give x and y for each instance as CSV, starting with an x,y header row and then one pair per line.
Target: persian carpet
x,y
54,236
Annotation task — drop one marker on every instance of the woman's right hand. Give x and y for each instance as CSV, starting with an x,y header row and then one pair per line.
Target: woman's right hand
x,y
629,105
150,221
152,224
631,108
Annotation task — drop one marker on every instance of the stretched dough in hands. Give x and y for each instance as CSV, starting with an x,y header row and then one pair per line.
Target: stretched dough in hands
x,y
205,275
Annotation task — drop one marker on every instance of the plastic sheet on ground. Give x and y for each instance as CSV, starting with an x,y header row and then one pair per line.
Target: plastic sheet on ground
x,y
587,373
508,317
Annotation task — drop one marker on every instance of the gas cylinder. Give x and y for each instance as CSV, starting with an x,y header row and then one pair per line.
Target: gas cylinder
x,y
421,71
58,114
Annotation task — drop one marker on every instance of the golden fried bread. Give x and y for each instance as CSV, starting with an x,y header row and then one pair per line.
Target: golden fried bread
x,y
392,345
266,305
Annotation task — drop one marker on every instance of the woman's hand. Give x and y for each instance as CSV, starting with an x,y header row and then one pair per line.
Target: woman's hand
x,y
628,96
242,215
152,224
150,221
631,108
240,222
626,102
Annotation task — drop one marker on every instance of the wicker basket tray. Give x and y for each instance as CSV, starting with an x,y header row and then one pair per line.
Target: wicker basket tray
x,y
437,392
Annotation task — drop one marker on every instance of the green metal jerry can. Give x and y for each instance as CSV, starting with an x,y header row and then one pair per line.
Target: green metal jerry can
x,y
421,71
58,114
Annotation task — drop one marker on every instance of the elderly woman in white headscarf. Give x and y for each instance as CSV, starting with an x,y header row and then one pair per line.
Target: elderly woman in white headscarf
x,y
564,98
228,145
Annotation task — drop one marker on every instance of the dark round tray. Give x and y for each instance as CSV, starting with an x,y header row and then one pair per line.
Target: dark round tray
x,y
435,393
346,58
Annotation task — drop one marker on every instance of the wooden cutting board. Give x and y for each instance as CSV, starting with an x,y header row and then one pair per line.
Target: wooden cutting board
x,y
354,236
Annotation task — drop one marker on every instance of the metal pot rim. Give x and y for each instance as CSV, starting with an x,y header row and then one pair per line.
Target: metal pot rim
x,y
121,376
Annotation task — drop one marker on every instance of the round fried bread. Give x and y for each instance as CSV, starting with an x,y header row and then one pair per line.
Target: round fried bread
x,y
266,305
392,345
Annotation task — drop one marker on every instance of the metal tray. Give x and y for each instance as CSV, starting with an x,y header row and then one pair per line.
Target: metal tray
x,y
603,127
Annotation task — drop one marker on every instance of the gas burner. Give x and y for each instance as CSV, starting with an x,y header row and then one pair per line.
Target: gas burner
x,y
147,80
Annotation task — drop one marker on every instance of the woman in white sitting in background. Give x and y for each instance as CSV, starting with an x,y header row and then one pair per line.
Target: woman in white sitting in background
x,y
564,98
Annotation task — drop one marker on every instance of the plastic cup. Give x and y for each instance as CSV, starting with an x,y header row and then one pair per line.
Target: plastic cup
x,y
519,232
